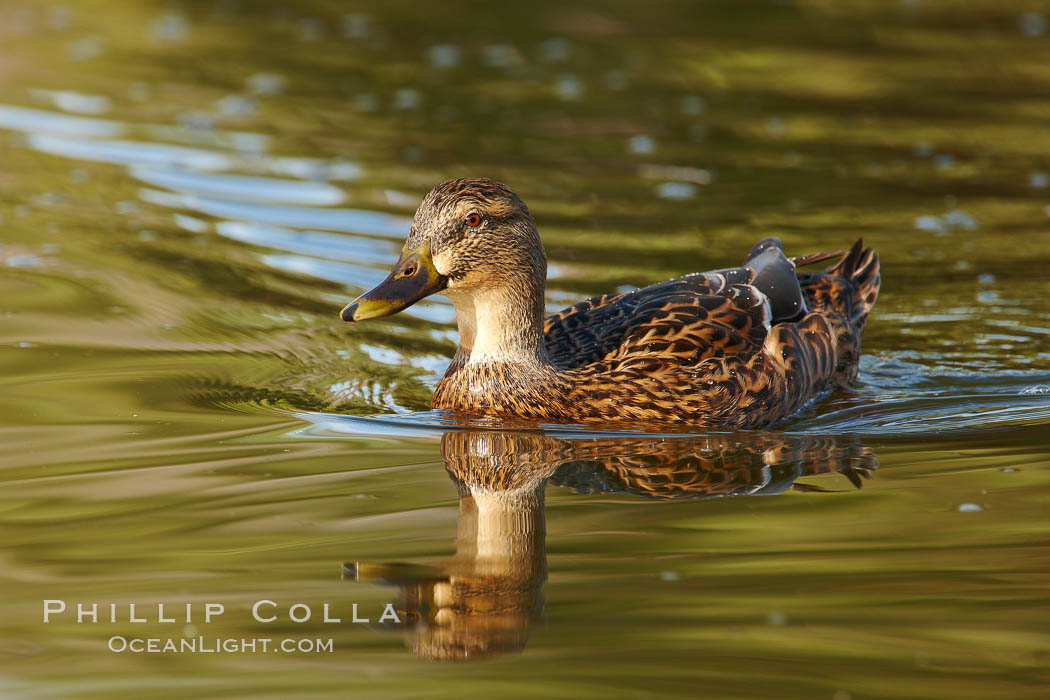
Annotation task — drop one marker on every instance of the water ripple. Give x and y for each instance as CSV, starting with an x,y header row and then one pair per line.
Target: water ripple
x,y
38,121
318,244
131,152
347,220
242,187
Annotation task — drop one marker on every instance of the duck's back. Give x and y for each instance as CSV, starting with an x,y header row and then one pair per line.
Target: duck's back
x,y
737,347
686,320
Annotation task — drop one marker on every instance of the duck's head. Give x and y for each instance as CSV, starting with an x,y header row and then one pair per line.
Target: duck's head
x,y
469,238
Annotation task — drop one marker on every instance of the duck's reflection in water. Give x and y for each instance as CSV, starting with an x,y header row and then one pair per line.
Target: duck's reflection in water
x,y
481,601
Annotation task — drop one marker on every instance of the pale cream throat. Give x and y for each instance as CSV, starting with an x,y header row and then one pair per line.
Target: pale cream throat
x,y
497,327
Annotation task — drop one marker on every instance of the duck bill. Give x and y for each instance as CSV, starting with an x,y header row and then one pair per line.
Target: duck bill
x,y
412,278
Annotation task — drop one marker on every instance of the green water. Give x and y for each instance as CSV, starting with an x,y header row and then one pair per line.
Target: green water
x,y
186,420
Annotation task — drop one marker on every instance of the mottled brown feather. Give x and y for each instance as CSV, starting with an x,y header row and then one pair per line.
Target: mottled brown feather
x,y
694,350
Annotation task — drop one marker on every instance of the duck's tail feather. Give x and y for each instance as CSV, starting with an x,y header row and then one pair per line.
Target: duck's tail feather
x,y
861,267
850,286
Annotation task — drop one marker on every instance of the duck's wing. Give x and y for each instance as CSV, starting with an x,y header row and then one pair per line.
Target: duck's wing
x,y
689,319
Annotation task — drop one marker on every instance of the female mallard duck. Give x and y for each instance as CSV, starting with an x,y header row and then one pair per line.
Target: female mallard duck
x,y
740,348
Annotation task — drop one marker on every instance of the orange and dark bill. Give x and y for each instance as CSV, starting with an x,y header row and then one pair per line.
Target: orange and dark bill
x,y
412,278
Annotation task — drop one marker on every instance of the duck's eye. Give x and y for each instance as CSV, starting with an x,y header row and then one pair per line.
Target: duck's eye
x,y
473,220
408,271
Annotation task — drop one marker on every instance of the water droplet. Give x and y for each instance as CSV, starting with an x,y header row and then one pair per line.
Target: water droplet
x,y
675,172
309,29
775,126
776,618
407,99
236,106
676,190
366,102
929,223
1038,181
693,105
357,26
555,50
669,576
989,297
969,508
413,154
266,84
170,27
443,56
1032,24
568,87
197,120
500,56
943,161
641,144
49,199
1035,390
85,49
960,219
75,102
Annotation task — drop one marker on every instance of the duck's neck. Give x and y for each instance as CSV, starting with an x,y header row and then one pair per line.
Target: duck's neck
x,y
502,325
